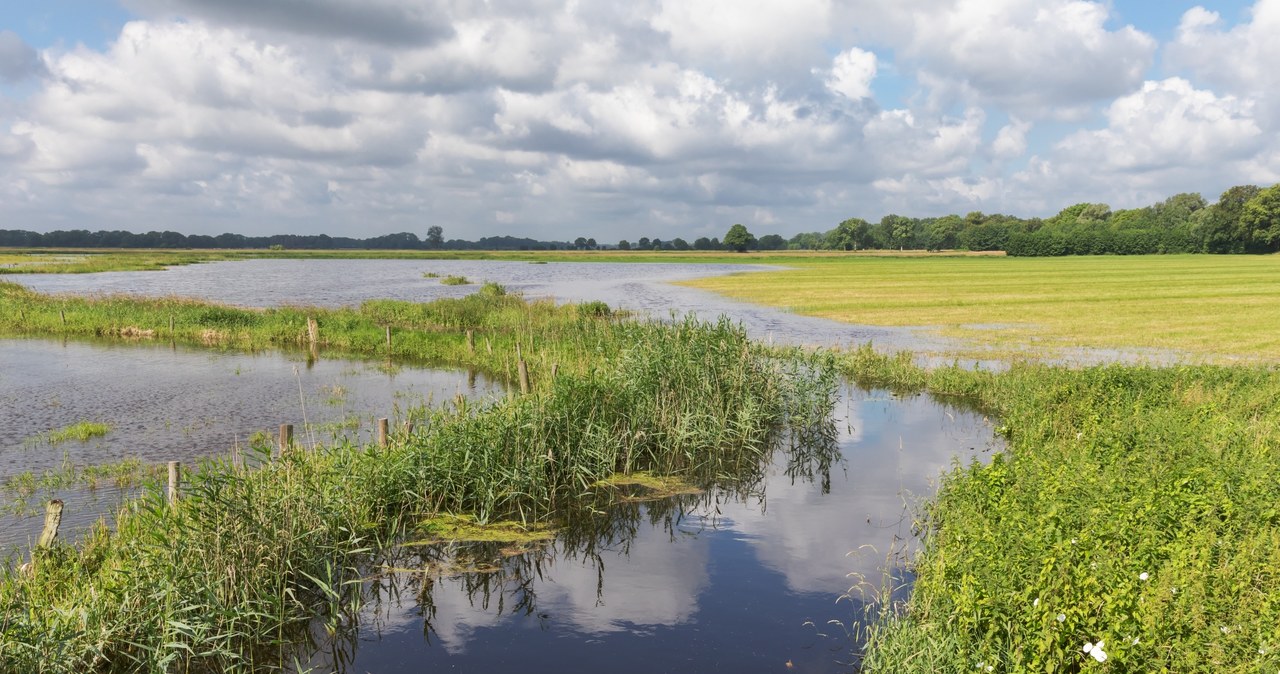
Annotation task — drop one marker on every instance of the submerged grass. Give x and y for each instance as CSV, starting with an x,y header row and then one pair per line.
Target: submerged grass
x,y
81,431
1134,506
230,577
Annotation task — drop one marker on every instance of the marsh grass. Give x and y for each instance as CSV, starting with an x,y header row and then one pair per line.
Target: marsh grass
x,y
233,576
81,431
1110,473
452,280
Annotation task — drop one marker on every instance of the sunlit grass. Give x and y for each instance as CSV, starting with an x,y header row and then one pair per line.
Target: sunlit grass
x,y
1205,305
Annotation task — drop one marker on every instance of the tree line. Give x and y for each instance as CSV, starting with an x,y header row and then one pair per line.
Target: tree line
x,y
1245,219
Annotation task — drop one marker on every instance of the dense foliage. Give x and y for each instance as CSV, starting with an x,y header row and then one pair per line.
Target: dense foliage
x,y
1134,507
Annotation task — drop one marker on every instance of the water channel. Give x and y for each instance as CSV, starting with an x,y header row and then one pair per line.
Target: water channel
x,y
740,582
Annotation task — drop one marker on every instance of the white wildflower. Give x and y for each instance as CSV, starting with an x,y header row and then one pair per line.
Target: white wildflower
x,y
1144,575
1135,641
1096,651
1225,629
1035,603
1062,617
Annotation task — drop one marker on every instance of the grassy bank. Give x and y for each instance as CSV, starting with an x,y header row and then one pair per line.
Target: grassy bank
x,y
1134,506
1206,305
235,573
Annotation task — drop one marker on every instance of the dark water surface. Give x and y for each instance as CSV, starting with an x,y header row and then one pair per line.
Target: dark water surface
x,y
644,287
179,404
714,583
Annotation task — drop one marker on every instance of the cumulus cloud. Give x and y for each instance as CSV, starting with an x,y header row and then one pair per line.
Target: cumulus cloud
x,y
18,60
1238,60
851,73
1011,140
1036,57
556,118
1168,123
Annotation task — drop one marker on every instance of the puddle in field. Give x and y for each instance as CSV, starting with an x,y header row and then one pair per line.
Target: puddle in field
x,y
180,404
719,582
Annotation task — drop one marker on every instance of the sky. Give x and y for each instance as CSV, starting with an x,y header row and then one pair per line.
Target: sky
x,y
555,119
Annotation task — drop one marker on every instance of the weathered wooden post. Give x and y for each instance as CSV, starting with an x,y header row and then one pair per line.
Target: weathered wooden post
x,y
488,345
175,479
52,521
313,331
555,370
382,432
471,341
408,429
522,370
388,341
286,437
63,314
170,325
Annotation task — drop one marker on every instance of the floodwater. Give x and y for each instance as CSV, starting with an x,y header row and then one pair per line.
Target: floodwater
x,y
643,287
167,403
755,581
724,582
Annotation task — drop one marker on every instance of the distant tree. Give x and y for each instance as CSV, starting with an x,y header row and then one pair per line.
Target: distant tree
x,y
1221,228
435,236
580,243
715,244
772,242
896,231
943,233
679,244
644,243
591,244
657,244
850,234
1261,219
807,241
624,245
702,243
738,239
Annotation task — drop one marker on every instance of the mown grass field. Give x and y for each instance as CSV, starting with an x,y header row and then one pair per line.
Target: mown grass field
x,y
1212,307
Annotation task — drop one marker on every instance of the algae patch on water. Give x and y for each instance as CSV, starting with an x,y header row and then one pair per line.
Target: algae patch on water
x,y
449,528
644,486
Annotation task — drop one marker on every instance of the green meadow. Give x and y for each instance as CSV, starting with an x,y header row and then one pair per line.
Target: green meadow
x,y
1212,307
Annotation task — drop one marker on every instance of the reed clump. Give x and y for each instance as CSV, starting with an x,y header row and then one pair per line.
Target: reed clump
x,y
232,575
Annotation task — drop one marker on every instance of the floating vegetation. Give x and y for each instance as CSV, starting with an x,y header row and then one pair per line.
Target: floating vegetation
x,y
450,528
644,486
82,431
452,280
430,274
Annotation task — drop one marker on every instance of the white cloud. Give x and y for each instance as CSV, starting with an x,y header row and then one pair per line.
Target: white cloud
x,y
851,73
762,33
1011,140
1168,123
1036,57
1239,60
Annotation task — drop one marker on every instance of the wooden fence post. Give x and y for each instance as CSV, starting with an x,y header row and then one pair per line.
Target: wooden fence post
x,y
471,341
286,437
388,341
175,478
52,520
382,432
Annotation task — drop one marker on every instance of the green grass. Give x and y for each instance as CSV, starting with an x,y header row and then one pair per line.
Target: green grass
x,y
452,280
233,576
81,431
1110,473
1208,306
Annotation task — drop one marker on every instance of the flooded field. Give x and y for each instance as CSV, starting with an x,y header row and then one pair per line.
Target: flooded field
x,y
642,287
165,403
757,578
